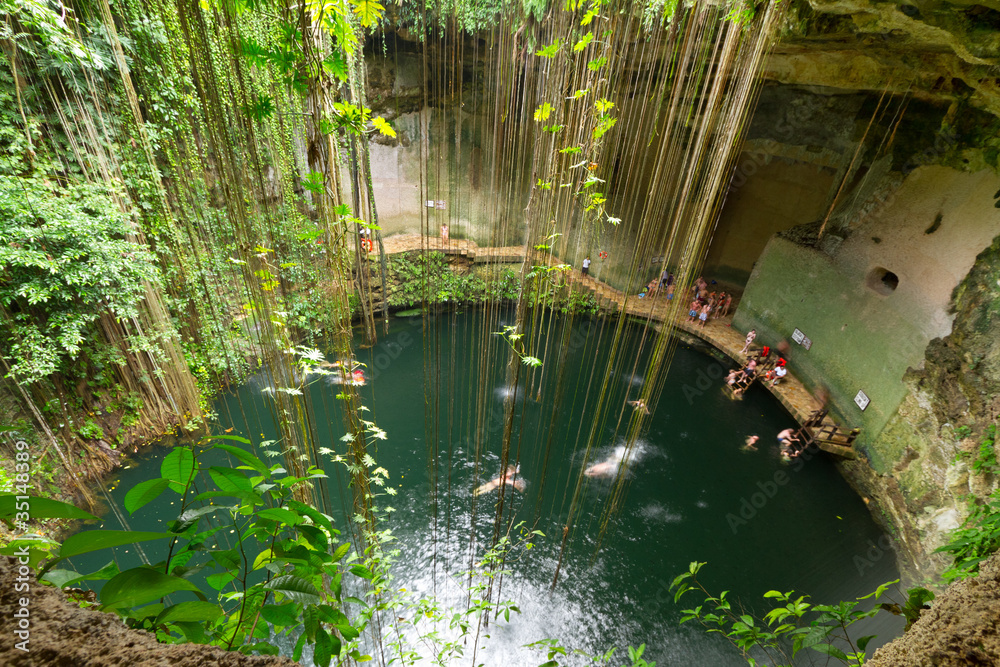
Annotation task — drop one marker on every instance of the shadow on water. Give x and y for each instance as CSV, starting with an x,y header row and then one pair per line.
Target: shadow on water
x,y
693,493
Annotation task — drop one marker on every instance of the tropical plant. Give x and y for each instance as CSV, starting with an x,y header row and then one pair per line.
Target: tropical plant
x,y
67,258
975,541
797,624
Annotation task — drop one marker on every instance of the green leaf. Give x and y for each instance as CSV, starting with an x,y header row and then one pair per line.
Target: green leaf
x,y
863,641
285,516
341,551
245,456
230,480
194,633
190,517
382,125
64,578
141,585
145,492
191,611
362,571
551,50
543,112
597,63
178,465
284,615
369,12
584,41
317,517
94,540
44,508
220,580
322,650
831,650
294,588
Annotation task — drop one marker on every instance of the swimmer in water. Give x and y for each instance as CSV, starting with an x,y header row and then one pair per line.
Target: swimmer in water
x,y
615,464
751,442
509,478
607,468
639,404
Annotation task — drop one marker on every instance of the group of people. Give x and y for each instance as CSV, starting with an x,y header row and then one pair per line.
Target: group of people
x,y
706,304
758,361
789,443
665,282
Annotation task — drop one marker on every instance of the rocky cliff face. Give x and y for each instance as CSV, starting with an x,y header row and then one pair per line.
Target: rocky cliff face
x,y
934,50
925,476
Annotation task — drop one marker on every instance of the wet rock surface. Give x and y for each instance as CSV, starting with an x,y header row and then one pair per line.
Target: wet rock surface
x,y
961,628
61,634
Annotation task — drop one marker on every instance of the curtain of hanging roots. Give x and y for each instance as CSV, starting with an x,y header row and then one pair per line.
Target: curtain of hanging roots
x,y
681,95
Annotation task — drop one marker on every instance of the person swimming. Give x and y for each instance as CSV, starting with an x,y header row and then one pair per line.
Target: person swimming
x,y
615,464
639,404
751,442
508,478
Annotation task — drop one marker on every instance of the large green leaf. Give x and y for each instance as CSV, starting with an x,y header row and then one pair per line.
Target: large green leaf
x,y
178,465
64,578
141,585
43,508
231,480
281,514
322,649
294,588
220,580
281,615
244,456
145,492
194,610
190,517
93,540
318,517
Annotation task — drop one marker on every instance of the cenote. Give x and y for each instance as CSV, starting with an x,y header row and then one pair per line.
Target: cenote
x,y
692,491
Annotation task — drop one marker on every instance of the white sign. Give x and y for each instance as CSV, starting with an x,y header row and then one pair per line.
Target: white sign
x,y
806,342
862,400
797,336
429,203
439,204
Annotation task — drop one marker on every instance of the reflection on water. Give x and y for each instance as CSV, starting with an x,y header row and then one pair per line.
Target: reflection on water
x,y
686,480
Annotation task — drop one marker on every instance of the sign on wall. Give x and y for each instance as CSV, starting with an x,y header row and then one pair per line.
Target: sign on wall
x,y
862,400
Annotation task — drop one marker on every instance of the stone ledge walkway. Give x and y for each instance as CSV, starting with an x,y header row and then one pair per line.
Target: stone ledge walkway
x,y
718,332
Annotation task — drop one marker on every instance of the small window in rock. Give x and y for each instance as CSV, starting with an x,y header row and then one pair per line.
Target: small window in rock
x,y
883,281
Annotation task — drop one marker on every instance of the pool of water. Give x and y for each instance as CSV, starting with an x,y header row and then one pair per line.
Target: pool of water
x,y
692,492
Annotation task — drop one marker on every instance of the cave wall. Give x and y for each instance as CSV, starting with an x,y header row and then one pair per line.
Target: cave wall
x,y
864,334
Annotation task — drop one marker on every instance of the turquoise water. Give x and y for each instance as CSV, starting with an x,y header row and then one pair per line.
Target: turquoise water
x,y
693,493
